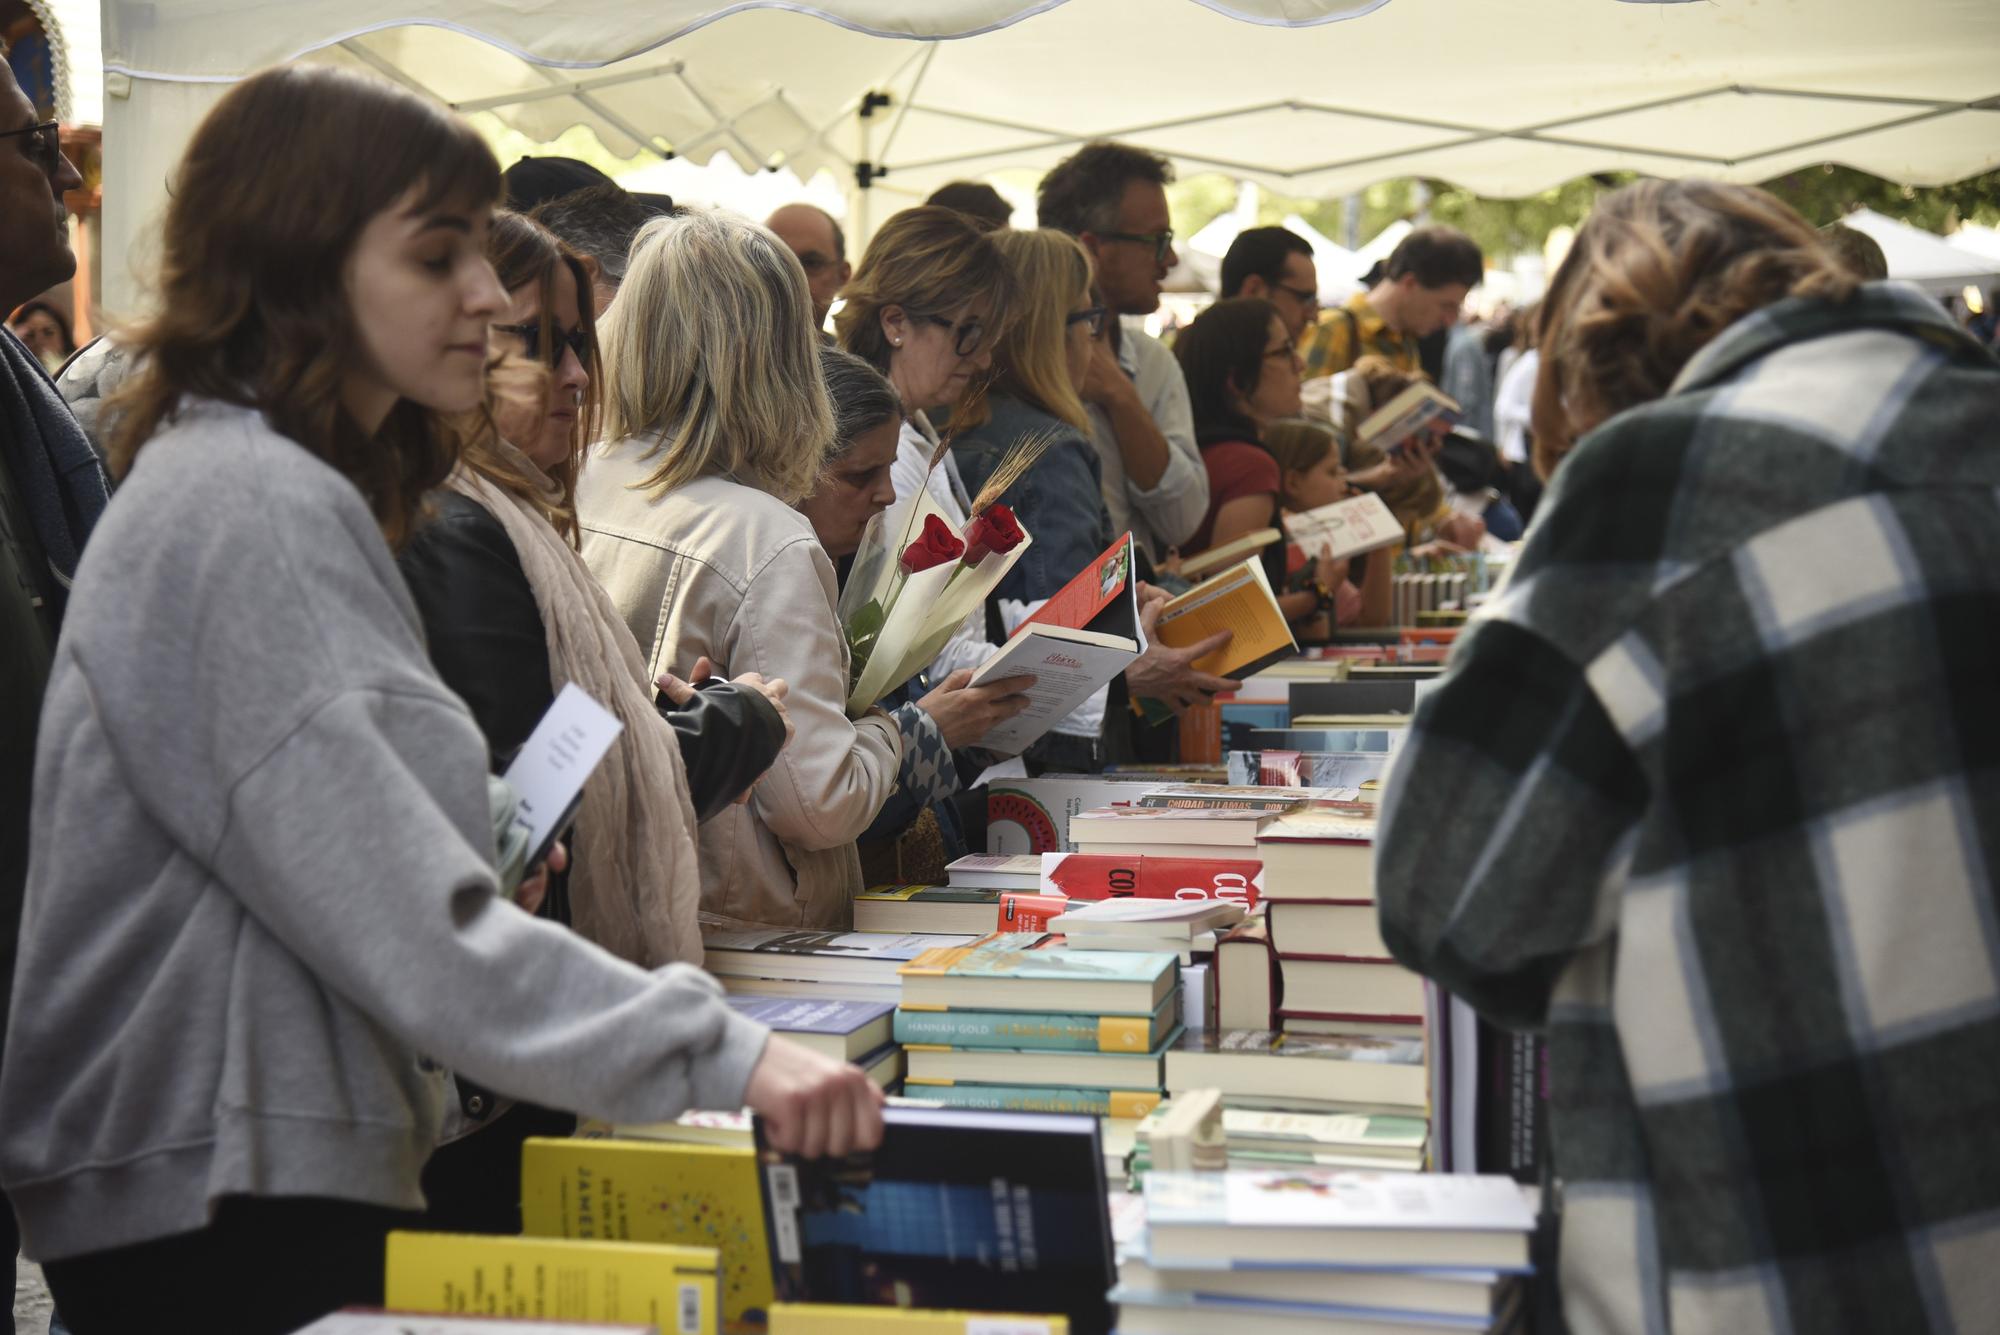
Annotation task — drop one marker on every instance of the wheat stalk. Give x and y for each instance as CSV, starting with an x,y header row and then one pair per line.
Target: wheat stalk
x,y
1020,457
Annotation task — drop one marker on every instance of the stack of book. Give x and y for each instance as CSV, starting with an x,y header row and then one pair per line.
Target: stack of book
x,y
1292,1072
847,1031
1002,1025
1257,1138
1222,833
1183,927
1336,975
1304,1249
852,966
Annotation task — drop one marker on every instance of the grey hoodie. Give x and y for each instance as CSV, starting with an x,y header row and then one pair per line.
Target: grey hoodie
x,y
260,888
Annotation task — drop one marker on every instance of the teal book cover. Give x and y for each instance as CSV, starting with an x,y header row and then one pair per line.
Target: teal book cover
x,y
1037,1098
1041,1031
1013,955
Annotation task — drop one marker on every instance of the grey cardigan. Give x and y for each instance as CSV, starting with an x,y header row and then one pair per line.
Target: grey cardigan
x,y
260,901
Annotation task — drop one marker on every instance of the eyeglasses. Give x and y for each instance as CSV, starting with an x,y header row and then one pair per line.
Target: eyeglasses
x,y
1305,296
1093,316
1287,350
45,148
966,337
1161,242
576,340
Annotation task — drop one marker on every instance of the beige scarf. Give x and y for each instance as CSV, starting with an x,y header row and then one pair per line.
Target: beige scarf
x,y
635,884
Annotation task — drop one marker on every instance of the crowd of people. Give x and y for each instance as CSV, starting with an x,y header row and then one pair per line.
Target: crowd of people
x,y
295,565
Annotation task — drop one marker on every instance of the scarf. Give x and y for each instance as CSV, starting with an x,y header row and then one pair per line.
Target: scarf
x,y
635,884
61,479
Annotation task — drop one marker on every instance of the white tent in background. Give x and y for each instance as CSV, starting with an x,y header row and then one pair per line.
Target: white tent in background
x,y
1973,239
1273,91
1921,257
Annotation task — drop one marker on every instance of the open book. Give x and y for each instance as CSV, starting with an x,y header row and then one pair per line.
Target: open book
x,y
1079,640
1415,409
1345,528
1239,600
1228,553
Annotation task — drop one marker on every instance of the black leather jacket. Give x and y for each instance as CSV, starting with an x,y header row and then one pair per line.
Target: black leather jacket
x,y
487,642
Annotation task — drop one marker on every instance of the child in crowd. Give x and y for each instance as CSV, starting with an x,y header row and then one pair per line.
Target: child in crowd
x,y
1353,592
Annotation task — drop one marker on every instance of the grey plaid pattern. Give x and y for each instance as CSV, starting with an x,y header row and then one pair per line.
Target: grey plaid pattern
x,y
1712,793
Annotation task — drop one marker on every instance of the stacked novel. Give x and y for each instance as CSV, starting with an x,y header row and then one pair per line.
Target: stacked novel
x,y
1002,1025
1270,1252
853,966
1183,927
1261,1138
848,1031
1294,1072
1335,972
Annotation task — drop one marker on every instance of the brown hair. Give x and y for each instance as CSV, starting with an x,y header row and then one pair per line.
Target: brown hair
x,y
1438,256
1221,355
523,251
1657,271
277,185
1051,274
1300,444
928,260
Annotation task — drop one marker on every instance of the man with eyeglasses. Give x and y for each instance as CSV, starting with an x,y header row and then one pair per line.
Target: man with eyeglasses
x,y
1113,198
1276,265
811,234
52,489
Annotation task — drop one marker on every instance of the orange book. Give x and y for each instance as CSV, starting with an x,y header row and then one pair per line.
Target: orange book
x,y
1238,600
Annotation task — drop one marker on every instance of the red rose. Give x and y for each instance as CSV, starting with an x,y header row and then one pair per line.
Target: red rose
x,y
993,529
937,545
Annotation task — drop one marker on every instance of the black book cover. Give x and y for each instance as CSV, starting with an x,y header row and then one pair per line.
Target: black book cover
x,y
999,1212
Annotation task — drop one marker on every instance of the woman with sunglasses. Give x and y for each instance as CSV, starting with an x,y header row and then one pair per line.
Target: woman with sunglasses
x,y
1243,374
1039,368
263,917
510,614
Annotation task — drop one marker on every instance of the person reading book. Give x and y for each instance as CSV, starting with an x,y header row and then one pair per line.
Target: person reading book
x,y
1718,772
509,610
1406,478
263,918
916,832
1351,592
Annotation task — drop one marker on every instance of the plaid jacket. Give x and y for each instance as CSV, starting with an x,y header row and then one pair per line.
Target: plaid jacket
x,y
1713,793
1346,334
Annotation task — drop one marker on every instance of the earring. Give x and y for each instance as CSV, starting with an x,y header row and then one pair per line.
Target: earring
x,y
895,342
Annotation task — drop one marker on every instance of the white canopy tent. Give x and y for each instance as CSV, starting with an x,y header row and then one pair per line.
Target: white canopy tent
x,y
1501,96
1921,257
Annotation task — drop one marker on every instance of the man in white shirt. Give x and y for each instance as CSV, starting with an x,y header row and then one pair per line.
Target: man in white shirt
x,y
1113,198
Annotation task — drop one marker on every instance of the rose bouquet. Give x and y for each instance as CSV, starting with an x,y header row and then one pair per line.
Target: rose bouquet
x,y
916,578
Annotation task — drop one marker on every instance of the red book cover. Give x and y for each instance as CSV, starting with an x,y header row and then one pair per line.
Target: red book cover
x,y
1023,911
1124,876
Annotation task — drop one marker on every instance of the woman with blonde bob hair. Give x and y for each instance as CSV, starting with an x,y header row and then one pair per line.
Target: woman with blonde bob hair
x,y
1718,768
717,423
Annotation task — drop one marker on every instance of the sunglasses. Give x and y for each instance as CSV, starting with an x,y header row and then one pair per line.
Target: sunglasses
x,y
1093,316
44,144
966,337
1161,242
576,340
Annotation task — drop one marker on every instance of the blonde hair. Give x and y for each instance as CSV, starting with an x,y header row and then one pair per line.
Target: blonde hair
x,y
1051,272
928,260
1657,270
1299,444
710,347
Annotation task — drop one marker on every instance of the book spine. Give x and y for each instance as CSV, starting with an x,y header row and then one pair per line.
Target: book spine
x,y
1003,1029
1351,1017
1122,876
1021,911
1037,1098
1178,802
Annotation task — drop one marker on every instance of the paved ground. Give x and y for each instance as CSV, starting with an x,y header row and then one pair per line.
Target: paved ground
x,y
31,1298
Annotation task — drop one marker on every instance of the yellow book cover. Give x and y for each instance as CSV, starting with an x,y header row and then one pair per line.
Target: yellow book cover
x,y
673,1288
656,1191
1238,600
829,1319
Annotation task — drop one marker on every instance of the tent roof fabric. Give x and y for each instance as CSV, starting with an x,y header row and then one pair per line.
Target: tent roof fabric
x,y
1922,257
1505,97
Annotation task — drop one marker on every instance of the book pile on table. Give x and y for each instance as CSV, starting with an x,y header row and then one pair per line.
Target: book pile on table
x,y
1193,1131
1291,1249
967,905
1000,1024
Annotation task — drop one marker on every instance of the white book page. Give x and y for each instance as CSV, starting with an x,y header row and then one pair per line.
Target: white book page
x,y
549,772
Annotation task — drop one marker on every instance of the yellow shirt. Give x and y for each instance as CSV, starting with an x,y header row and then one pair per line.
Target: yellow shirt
x,y
1344,335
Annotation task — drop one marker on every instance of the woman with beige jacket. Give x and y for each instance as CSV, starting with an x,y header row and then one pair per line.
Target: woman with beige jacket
x,y
716,423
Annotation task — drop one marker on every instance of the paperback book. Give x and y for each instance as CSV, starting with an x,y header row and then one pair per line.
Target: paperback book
x,y
1005,971
1049,1032
1346,528
1238,600
1326,1069
941,910
953,1209
842,1030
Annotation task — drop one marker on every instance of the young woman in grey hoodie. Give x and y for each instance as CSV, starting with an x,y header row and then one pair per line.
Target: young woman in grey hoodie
x,y
262,919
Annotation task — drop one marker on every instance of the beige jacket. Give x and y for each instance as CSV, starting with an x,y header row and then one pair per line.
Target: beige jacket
x,y
721,569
